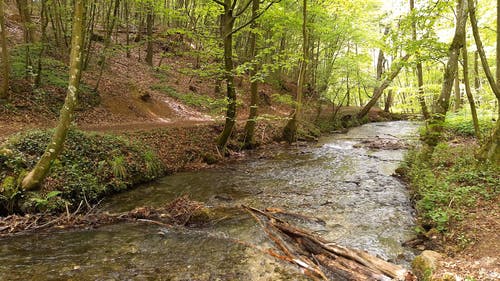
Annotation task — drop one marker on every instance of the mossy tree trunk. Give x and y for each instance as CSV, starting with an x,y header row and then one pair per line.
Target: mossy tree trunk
x,y
38,173
441,106
254,86
227,26
290,130
491,149
4,53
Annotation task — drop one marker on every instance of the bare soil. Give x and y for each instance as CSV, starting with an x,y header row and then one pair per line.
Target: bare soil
x,y
475,252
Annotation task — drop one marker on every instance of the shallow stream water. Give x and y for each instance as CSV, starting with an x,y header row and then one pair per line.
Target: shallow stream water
x,y
349,187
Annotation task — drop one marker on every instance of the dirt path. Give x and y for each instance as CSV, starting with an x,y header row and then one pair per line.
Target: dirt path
x,y
8,129
143,126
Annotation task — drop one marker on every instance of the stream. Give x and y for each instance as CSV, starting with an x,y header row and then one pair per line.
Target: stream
x,y
348,186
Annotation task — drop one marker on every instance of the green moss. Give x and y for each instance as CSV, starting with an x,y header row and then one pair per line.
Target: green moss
x,y
89,167
9,193
421,269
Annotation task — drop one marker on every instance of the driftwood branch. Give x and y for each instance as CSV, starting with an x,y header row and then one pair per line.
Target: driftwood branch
x,y
323,260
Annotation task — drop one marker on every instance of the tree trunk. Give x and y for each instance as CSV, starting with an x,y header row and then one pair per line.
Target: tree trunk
x,y
254,91
87,53
149,28
441,106
25,14
107,40
468,91
44,41
498,52
290,130
458,99
420,73
4,53
388,101
380,66
491,149
480,49
477,81
377,93
37,175
227,25
127,31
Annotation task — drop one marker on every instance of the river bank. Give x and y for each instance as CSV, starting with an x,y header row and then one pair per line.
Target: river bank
x,y
457,199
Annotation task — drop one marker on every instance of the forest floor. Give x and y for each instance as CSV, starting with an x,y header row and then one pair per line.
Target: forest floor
x,y
479,259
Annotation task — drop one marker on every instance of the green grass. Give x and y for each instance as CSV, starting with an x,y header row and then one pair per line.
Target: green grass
x,y
461,124
89,167
54,76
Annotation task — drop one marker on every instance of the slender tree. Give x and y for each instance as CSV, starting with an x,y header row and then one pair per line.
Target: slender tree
x,y
442,105
491,149
254,84
149,29
420,72
35,177
4,53
468,91
24,8
227,20
44,41
290,131
111,21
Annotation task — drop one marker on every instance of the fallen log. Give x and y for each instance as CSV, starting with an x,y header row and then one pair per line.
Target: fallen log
x,y
323,260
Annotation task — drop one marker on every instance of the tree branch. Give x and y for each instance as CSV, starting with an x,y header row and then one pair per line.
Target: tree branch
x,y
252,19
220,3
243,9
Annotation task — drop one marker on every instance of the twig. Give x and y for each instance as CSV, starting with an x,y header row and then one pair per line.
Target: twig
x,y
155,222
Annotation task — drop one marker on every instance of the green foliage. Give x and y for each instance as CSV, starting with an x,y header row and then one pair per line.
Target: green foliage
x,y
283,99
54,81
461,124
152,165
90,166
118,167
50,202
9,193
449,182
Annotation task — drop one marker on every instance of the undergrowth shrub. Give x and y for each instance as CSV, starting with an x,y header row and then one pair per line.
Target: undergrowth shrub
x,y
449,183
462,125
89,167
